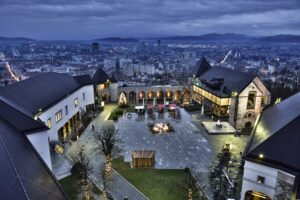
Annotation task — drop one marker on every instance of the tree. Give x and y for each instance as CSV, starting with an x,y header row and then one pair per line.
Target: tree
x,y
83,167
194,185
108,142
122,100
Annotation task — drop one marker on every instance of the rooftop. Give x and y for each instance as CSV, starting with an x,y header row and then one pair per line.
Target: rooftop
x,y
276,136
40,92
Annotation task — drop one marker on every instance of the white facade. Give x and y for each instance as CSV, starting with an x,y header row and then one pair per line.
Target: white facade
x,y
252,172
68,101
40,142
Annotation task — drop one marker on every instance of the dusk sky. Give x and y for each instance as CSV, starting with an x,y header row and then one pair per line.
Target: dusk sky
x,y
88,19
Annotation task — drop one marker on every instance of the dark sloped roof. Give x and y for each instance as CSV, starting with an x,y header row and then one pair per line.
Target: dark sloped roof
x,y
18,117
202,66
24,175
233,80
100,76
282,148
277,137
40,92
113,79
274,119
84,79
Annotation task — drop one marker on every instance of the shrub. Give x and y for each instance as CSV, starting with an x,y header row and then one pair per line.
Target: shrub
x,y
115,118
119,112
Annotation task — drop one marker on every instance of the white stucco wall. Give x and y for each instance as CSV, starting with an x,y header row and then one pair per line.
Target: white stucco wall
x,y
41,144
113,88
252,171
72,110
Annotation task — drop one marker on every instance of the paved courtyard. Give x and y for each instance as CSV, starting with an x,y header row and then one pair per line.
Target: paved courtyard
x,y
186,147
189,146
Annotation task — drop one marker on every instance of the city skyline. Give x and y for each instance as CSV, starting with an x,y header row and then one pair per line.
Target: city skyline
x,y
99,19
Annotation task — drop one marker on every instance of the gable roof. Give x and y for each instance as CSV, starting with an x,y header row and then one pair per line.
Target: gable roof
x,y
24,175
276,135
202,66
281,149
84,79
100,76
41,92
233,80
19,118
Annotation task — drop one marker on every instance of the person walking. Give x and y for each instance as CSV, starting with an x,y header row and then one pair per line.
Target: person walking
x,y
93,128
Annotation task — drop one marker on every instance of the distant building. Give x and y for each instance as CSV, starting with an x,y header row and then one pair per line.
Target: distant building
x,y
272,157
228,94
94,48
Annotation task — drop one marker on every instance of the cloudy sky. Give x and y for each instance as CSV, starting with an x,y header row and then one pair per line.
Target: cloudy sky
x,y
88,19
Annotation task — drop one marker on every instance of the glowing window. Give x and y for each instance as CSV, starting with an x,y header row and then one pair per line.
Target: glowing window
x,y
49,124
76,102
58,116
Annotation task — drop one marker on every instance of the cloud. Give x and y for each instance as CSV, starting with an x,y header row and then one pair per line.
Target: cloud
x,y
85,19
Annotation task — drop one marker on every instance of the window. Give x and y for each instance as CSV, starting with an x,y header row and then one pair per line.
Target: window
x,y
260,179
76,102
58,116
66,109
49,124
83,96
251,100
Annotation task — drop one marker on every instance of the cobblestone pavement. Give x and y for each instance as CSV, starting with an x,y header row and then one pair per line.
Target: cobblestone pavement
x,y
185,147
117,186
189,146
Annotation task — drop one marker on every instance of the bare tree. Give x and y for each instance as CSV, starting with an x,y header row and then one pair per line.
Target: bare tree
x,y
194,185
84,167
107,143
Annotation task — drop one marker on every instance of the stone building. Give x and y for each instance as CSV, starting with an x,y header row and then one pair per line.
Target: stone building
x,y
228,94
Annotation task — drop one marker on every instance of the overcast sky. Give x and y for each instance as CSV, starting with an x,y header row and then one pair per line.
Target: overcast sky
x,y
88,19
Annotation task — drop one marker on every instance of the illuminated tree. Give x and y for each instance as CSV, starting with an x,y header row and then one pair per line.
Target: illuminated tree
x,y
107,143
122,100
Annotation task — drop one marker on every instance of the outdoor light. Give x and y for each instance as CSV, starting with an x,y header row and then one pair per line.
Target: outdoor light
x,y
234,94
261,155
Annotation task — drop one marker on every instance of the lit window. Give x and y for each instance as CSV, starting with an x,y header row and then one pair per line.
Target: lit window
x,y
66,109
49,124
83,96
260,179
58,116
251,100
76,102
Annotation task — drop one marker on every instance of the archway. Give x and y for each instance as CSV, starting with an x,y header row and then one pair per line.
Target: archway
x,y
169,95
248,125
249,119
177,96
105,98
186,97
151,96
252,195
141,96
159,96
132,97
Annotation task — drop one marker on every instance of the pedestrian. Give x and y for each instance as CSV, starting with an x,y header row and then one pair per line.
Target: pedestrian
x,y
93,128
125,198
